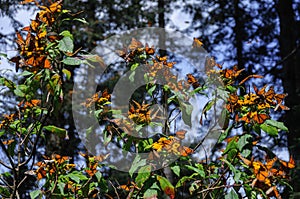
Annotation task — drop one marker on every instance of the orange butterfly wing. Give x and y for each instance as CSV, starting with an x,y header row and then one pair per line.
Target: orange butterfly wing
x,y
181,134
290,164
185,151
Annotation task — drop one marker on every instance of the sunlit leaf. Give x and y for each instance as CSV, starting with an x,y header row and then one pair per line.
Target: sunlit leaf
x,y
143,175
150,194
176,170
271,130
67,73
137,162
34,194
150,91
243,141
134,66
66,44
66,33
277,124
56,130
73,61
82,20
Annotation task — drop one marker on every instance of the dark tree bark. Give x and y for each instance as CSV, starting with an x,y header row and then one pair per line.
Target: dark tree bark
x,y
290,56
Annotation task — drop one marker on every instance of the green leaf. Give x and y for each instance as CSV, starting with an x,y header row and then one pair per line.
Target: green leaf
x,y
3,55
61,187
66,33
243,141
6,82
150,193
198,170
82,20
224,134
98,176
166,186
231,89
77,176
56,130
194,186
279,125
21,90
34,194
237,173
143,175
107,137
232,195
74,177
186,110
134,66
231,145
19,93
137,162
26,73
67,73
150,91
131,76
73,61
4,192
176,170
271,130
66,44
185,178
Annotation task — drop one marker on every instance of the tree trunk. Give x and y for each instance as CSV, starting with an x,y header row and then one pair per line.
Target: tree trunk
x,y
291,80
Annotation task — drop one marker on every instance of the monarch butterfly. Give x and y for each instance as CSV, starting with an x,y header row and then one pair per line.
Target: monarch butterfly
x,y
260,117
290,164
148,50
92,169
41,173
128,186
8,142
60,159
269,95
162,59
279,97
181,134
135,44
197,43
232,73
185,151
105,94
169,64
193,81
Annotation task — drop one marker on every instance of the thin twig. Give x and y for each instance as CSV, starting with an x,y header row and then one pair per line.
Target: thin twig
x,y
114,189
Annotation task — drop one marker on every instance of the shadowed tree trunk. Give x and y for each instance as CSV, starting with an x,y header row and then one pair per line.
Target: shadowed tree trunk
x,y
290,56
